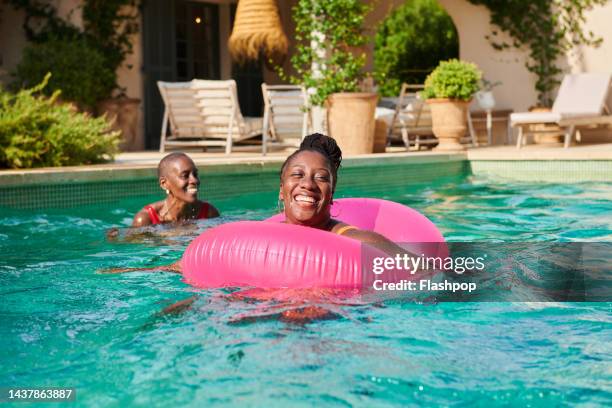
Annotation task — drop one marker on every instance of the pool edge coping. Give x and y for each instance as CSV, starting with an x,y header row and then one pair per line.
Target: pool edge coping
x,y
111,172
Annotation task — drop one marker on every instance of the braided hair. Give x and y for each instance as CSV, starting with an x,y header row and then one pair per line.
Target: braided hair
x,y
324,145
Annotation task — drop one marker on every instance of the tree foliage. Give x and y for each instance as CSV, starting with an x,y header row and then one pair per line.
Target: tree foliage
x,y
410,42
548,28
38,131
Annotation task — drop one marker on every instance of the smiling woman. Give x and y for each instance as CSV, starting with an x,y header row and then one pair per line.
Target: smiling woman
x,y
307,185
178,176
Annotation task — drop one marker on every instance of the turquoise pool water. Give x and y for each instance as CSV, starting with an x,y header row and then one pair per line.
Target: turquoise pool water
x,y
63,325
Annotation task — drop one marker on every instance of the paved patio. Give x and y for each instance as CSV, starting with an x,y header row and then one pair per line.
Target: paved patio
x,y
242,156
529,152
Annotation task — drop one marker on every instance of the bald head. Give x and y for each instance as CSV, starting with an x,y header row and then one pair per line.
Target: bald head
x,y
164,164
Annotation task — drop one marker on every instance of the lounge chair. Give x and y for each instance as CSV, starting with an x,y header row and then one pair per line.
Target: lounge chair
x,y
411,120
412,117
204,113
286,118
581,102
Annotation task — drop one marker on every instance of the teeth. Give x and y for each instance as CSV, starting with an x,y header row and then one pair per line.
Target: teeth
x,y
305,199
192,190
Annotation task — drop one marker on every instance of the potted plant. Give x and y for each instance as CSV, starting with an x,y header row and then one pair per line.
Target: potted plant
x,y
329,62
124,113
84,60
449,90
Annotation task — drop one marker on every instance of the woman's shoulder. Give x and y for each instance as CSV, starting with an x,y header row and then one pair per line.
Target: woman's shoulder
x,y
143,217
211,210
342,228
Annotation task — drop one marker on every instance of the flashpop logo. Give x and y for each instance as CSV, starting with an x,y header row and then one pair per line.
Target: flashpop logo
x,y
425,285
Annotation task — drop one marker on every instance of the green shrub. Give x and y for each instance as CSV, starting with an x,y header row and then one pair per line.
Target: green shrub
x,y
453,79
410,42
38,131
79,71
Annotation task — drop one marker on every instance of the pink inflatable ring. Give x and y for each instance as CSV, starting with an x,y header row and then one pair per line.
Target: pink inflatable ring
x,y
276,255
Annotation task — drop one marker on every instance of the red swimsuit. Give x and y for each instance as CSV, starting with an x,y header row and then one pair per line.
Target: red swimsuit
x,y
155,218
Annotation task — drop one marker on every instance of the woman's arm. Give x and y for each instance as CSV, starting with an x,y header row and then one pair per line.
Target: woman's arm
x,y
173,268
376,240
178,307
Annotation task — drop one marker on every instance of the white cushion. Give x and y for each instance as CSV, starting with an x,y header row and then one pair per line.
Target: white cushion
x,y
253,126
534,117
582,95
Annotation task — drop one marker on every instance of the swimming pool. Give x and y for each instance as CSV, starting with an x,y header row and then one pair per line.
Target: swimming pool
x,y
63,325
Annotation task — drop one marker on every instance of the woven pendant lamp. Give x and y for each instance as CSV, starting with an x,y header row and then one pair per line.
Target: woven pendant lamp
x,y
258,27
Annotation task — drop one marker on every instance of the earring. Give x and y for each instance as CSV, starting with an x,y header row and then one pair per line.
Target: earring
x,y
167,191
280,205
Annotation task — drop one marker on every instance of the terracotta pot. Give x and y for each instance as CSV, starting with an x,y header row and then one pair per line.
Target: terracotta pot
x,y
350,117
124,114
380,136
545,133
449,122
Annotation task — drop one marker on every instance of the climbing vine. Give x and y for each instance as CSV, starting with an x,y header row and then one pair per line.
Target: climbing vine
x,y
548,28
329,57
112,23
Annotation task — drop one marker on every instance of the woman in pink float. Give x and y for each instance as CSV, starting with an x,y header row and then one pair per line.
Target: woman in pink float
x,y
307,184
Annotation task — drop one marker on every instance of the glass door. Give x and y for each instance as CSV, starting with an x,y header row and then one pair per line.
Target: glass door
x,y
180,43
